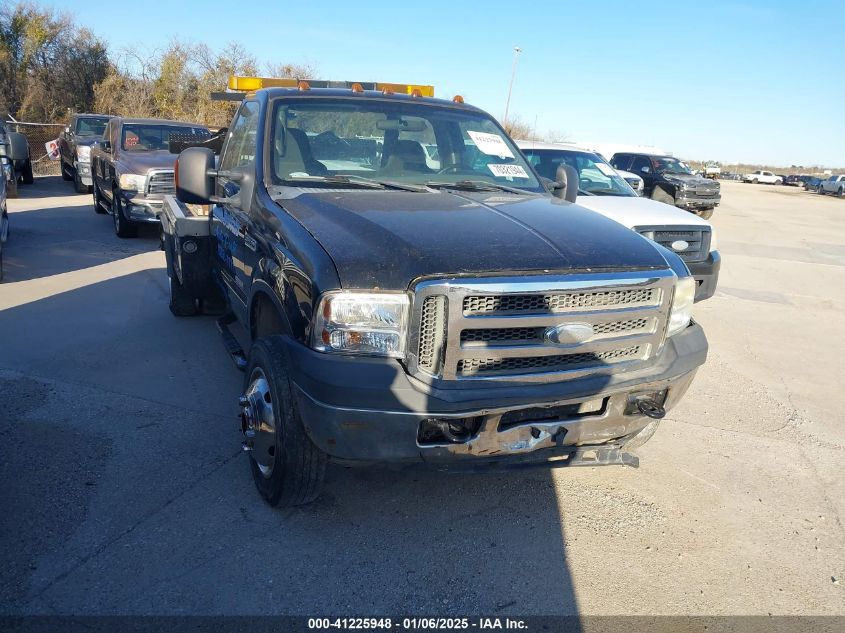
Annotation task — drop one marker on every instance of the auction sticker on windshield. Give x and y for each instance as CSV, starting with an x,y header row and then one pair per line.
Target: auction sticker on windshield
x,y
508,171
491,144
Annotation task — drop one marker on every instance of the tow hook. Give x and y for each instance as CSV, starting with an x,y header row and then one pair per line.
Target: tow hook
x,y
651,408
247,422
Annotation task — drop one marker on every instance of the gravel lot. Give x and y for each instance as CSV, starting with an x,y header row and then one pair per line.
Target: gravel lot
x,y
124,490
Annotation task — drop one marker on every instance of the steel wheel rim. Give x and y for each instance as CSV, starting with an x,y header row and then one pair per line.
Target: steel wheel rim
x,y
259,422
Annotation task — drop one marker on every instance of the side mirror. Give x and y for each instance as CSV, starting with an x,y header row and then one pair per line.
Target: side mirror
x,y
566,183
18,146
645,170
194,175
67,129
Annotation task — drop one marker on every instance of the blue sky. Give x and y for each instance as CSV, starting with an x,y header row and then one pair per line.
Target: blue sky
x,y
732,81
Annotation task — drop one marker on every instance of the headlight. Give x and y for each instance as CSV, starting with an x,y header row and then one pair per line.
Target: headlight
x,y
713,243
361,323
682,301
83,153
132,182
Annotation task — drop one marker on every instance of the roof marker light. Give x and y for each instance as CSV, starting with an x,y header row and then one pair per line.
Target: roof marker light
x,y
416,92
458,99
303,85
356,87
387,91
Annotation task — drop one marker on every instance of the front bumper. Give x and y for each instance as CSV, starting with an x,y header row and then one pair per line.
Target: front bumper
x,y
686,201
83,169
370,410
706,275
140,207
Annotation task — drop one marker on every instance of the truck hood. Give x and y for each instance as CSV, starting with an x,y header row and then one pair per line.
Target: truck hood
x,y
387,239
141,162
632,211
692,181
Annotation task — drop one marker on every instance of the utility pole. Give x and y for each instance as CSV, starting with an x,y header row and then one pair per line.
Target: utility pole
x,y
516,51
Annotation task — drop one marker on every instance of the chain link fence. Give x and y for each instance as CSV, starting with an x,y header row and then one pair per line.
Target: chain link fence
x,y
38,134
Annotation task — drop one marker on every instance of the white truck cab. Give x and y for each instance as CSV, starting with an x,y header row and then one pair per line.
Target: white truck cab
x,y
763,177
602,189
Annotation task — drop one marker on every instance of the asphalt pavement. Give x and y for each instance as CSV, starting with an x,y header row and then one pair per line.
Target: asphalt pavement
x,y
124,489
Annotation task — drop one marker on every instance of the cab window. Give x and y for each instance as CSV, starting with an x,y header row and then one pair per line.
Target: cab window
x,y
240,148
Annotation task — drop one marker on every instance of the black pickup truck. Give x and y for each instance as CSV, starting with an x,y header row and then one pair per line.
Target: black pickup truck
x,y
457,311
15,160
669,180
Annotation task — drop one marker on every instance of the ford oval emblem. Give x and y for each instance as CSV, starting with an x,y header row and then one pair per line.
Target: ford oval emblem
x,y
679,246
569,334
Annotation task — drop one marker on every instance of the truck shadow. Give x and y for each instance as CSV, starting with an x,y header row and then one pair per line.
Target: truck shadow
x,y
54,231
178,506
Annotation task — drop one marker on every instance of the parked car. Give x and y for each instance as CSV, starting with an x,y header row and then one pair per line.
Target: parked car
x,y
636,183
601,189
17,160
132,169
4,222
463,316
834,184
762,177
811,183
793,180
670,180
75,148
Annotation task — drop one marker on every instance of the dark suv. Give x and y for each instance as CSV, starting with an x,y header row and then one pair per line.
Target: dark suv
x,y
669,180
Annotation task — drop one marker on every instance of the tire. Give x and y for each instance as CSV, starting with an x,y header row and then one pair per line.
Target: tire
x,y
122,227
12,187
26,175
841,192
66,175
660,195
778,181
181,303
288,469
98,201
755,181
78,185
704,214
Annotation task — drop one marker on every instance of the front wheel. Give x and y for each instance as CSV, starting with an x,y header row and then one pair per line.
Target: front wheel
x,y
841,192
122,227
755,181
288,469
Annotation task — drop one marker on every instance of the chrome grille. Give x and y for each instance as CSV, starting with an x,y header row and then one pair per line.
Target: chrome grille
x,y
515,335
698,239
161,183
557,302
510,328
486,366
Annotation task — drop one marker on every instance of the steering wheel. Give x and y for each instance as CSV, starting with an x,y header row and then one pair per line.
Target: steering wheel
x,y
454,168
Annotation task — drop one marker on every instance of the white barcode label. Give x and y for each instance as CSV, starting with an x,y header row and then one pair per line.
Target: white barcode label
x,y
508,171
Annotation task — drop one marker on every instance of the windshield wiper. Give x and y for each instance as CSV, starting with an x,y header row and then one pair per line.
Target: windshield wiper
x,y
357,181
476,185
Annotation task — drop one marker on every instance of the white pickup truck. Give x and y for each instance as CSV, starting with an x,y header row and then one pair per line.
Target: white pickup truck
x,y
834,184
763,177
601,189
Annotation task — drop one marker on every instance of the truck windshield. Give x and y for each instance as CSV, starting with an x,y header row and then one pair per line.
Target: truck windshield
x,y
91,126
595,176
146,138
392,141
669,165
